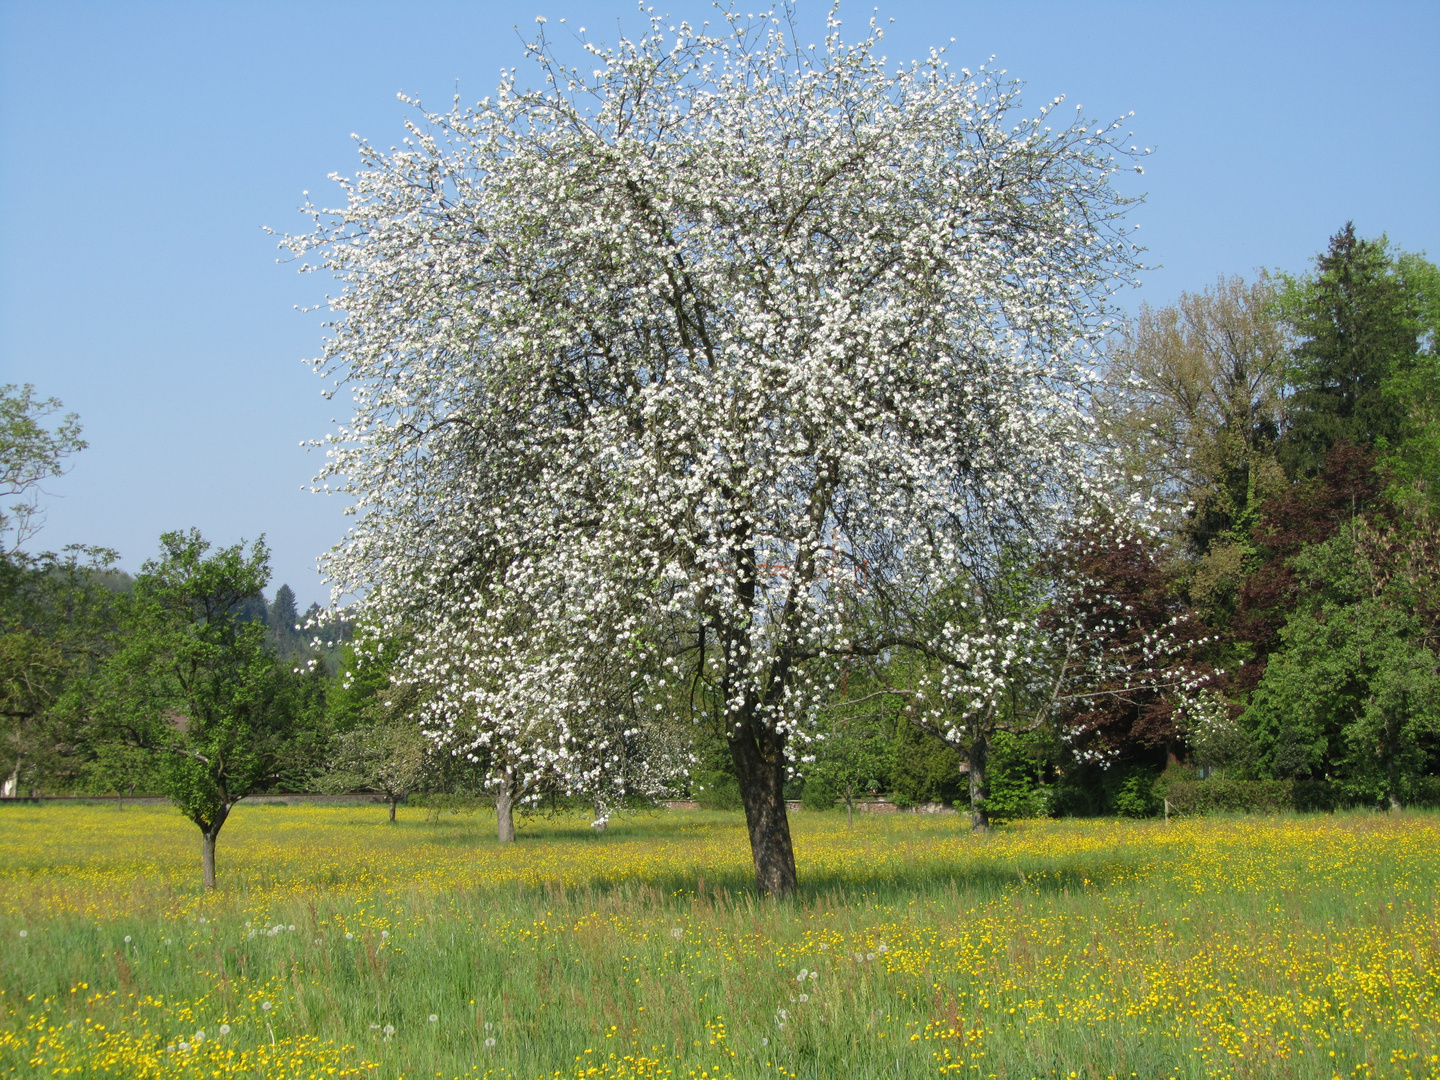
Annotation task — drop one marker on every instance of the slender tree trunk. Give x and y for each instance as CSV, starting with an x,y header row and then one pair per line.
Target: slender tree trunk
x,y
978,756
207,855
505,810
12,783
209,832
759,756
392,809
1392,763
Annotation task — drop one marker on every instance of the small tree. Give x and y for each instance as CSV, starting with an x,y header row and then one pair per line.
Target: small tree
x,y
1216,737
193,684
600,740
386,753
852,753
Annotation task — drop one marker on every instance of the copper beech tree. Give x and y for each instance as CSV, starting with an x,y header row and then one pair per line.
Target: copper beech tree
x,y
648,361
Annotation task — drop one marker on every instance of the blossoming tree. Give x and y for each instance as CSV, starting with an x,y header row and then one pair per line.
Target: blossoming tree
x,y
1082,633
687,338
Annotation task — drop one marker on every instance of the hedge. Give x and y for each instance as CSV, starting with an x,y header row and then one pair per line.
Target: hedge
x,y
1252,796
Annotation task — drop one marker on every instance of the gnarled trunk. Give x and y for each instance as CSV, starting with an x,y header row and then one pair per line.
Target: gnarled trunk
x,y
505,810
977,756
759,756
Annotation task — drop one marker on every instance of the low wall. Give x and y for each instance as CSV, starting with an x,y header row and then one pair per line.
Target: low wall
x,y
869,806
289,799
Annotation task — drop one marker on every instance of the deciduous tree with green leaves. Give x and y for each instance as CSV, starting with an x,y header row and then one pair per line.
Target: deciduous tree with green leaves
x,y
31,452
195,685
386,752
854,750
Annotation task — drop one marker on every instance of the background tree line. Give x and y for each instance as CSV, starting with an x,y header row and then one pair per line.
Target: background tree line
x,y
1287,430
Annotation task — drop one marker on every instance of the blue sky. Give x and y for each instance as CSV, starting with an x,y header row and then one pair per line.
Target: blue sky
x,y
144,145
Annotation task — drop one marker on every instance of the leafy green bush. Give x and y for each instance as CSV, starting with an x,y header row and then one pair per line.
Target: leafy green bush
x,y
927,770
1071,798
717,790
818,794
1092,790
1421,791
1135,795
1015,791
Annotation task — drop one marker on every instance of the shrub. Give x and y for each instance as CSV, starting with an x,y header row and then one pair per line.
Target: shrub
x,y
1135,795
818,794
927,770
1015,791
717,790
1421,791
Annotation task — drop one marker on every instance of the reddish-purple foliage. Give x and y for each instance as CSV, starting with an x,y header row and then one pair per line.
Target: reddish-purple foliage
x,y
1309,512
1130,606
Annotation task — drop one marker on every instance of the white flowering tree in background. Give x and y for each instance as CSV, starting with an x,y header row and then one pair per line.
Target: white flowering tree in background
x,y
540,712
1080,632
693,337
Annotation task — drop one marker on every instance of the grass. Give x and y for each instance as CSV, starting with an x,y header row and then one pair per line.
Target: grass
x,y
1240,947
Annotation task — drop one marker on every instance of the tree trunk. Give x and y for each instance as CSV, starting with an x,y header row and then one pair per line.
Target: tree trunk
x,y
12,783
1392,764
207,856
392,809
759,756
505,810
208,835
978,757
